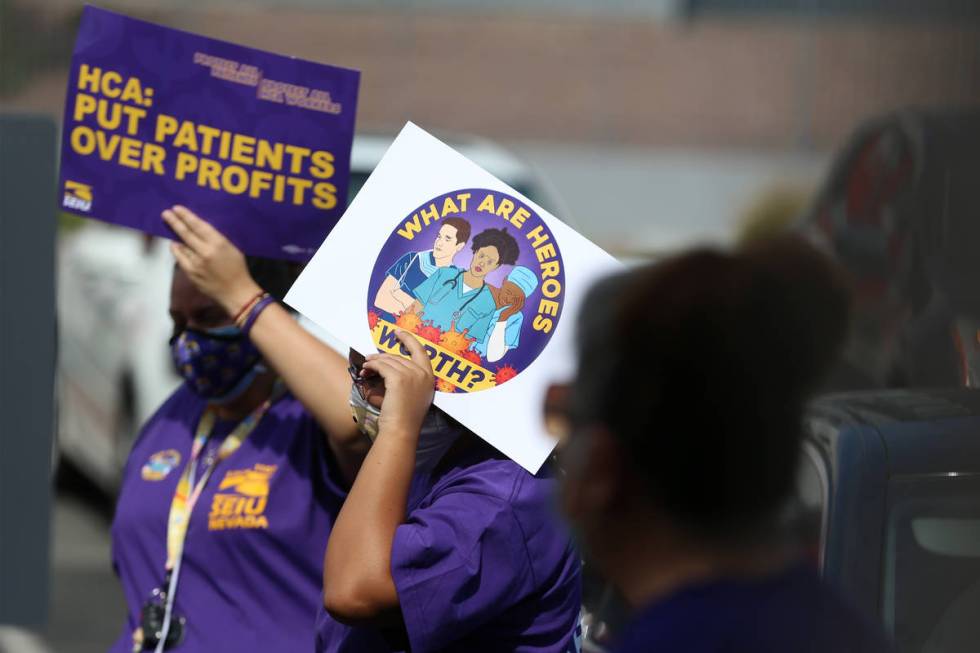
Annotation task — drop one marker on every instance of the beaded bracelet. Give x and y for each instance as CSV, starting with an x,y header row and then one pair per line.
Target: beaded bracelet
x,y
247,305
254,313
243,315
241,318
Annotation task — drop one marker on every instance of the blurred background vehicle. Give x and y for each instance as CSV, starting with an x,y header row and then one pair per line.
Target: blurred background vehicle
x,y
114,364
899,211
114,367
893,480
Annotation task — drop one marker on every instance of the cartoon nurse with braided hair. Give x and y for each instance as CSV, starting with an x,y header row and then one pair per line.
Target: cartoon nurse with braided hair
x,y
504,331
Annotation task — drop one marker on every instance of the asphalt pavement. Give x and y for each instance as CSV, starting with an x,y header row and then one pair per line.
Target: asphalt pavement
x,y
86,607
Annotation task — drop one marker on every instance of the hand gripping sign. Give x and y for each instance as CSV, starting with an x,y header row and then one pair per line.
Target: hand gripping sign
x,y
258,142
487,280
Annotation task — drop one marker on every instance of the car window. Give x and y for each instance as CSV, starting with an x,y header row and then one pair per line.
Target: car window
x,y
931,591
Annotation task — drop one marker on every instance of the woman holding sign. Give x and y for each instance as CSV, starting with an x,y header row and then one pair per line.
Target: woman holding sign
x,y
442,543
231,487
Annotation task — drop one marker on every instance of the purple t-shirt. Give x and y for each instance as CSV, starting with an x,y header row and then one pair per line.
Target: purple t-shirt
x,y
251,577
790,611
481,564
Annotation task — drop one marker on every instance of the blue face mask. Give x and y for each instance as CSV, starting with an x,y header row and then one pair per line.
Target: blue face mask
x,y
218,364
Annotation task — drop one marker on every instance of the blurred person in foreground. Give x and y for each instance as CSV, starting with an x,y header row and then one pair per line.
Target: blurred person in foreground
x,y
683,430
232,485
442,543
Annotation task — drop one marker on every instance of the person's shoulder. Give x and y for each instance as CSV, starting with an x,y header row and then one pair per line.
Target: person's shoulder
x,y
806,607
528,496
788,611
528,501
181,406
491,476
172,423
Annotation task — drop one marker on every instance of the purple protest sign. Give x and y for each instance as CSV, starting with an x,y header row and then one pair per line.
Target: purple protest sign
x,y
257,143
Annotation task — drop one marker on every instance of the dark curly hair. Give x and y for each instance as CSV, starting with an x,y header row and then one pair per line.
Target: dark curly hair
x,y
730,346
505,243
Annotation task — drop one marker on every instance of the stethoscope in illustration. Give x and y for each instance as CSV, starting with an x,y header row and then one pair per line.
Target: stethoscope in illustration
x,y
450,285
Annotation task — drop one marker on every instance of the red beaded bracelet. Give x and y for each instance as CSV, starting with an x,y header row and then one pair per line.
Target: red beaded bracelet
x,y
247,306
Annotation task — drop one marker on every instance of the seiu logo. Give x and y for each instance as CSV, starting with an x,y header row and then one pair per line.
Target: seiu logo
x,y
77,196
244,506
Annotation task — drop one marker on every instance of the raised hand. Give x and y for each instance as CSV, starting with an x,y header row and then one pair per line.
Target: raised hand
x,y
409,387
210,260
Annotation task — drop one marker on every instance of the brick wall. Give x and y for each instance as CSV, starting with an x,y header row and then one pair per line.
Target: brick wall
x,y
764,83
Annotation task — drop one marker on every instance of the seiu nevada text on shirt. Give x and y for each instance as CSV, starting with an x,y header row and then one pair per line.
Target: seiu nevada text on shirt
x,y
244,507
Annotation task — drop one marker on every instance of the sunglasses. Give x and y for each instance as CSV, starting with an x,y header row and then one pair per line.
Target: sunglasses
x,y
355,377
361,383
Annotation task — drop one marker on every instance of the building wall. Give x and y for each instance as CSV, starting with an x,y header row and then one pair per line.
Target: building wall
x,y
757,82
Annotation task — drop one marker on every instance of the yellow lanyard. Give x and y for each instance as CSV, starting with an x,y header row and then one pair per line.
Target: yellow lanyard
x,y
188,492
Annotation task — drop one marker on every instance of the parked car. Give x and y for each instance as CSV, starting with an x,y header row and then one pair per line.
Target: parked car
x,y
892,479
114,365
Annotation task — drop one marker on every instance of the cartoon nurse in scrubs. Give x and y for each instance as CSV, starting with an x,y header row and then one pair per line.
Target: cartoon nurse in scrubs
x,y
397,290
453,298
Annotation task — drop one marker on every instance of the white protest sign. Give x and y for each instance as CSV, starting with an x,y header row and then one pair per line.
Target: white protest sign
x,y
489,282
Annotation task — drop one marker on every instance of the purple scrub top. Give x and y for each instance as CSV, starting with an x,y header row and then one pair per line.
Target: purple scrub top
x,y
792,611
251,578
481,564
